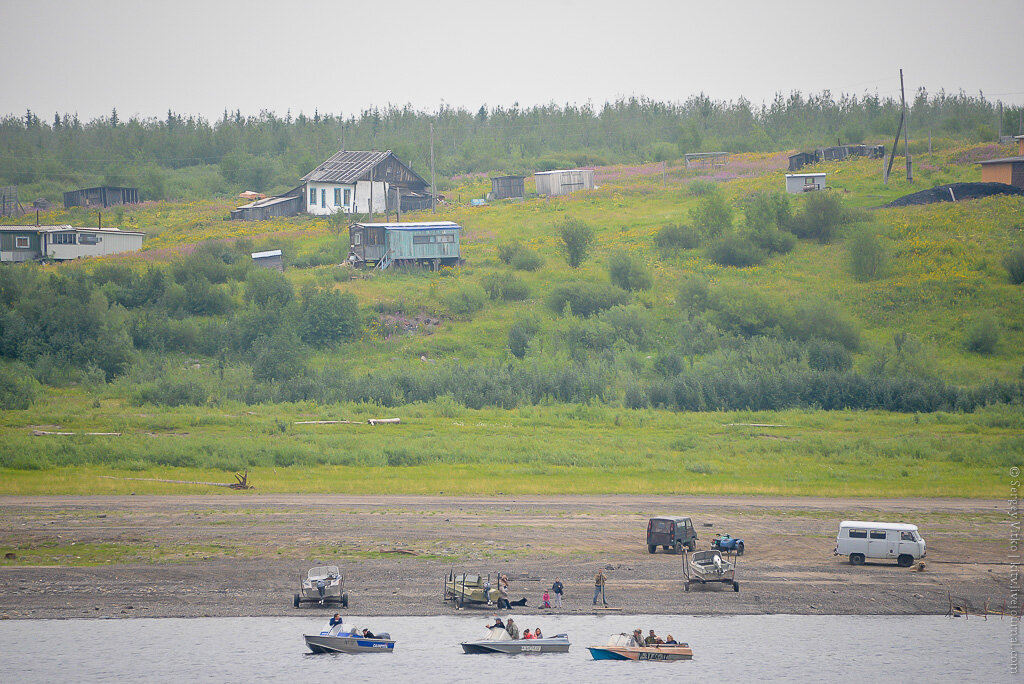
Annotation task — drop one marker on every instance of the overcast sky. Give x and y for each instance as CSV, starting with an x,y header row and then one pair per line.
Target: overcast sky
x,y
342,57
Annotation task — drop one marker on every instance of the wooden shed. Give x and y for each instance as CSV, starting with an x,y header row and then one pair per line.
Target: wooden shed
x,y
273,259
270,207
801,159
102,196
1009,170
430,243
508,187
564,181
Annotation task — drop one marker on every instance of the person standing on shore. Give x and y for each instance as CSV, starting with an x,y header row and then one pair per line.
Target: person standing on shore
x,y
599,581
558,589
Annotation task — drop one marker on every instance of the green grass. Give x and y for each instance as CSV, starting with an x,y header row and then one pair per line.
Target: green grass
x,y
945,272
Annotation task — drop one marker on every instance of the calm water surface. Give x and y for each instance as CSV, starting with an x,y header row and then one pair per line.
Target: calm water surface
x,y
726,649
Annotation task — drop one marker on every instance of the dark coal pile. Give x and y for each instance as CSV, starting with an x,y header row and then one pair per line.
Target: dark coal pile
x,y
961,191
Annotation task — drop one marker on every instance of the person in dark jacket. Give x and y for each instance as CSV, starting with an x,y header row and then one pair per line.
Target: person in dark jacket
x,y
336,620
557,589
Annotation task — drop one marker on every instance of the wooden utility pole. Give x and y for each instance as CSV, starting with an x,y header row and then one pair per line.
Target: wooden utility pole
x,y
906,132
1000,138
433,192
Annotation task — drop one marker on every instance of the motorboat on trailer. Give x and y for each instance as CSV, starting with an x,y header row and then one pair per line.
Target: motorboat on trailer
x,y
497,640
346,638
626,647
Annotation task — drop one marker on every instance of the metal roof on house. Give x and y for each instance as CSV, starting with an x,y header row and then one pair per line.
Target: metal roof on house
x,y
267,254
546,173
346,166
423,225
268,201
65,228
1004,160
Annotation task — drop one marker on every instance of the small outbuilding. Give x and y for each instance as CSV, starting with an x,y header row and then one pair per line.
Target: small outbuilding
x,y
62,243
272,259
102,196
797,183
430,243
801,159
271,207
1009,170
563,182
508,187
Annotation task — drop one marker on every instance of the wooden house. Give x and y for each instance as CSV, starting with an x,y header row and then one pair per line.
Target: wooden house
x,y
563,182
508,187
430,243
1009,170
62,243
354,182
103,196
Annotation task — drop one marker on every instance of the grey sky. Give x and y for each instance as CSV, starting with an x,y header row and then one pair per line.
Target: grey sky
x,y
341,57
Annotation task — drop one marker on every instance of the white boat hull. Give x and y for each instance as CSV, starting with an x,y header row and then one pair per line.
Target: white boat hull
x,y
559,644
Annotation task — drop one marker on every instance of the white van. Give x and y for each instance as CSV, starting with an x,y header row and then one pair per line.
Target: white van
x,y
860,540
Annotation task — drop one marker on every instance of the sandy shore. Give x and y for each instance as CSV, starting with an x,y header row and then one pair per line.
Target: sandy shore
x,y
241,554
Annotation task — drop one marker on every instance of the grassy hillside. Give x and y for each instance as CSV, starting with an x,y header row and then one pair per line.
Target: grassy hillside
x,y
589,403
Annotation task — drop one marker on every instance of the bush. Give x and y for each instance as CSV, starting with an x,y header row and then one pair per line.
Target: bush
x,y
700,187
505,286
694,294
825,355
17,388
822,216
1013,262
278,357
868,255
508,250
766,211
267,288
675,236
824,320
527,260
169,392
466,300
329,317
733,249
585,298
983,335
521,334
712,216
577,237
629,272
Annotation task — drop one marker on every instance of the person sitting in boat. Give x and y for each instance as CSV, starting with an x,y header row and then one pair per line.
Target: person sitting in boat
x,y
367,634
669,641
653,640
336,620
498,623
537,634
638,637
512,628
528,635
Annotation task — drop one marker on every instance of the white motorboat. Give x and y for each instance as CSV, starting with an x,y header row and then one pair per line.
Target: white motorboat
x,y
347,638
497,640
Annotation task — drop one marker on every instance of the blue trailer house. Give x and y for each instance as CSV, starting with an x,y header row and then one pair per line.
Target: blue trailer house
x,y
431,243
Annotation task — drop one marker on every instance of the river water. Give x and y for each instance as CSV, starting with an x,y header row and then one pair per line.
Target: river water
x,y
728,649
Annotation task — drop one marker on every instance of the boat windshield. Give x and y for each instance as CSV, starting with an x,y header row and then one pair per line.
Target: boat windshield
x,y
621,640
496,634
323,572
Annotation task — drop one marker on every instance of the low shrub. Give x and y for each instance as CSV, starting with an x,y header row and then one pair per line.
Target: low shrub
x,y
508,250
505,286
733,249
466,300
585,298
527,260
822,216
171,392
1013,262
675,236
577,238
629,272
983,335
868,255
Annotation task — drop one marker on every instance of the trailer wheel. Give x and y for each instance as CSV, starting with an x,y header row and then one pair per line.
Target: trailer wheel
x,y
296,601
652,548
686,586
905,560
856,559
344,600
736,586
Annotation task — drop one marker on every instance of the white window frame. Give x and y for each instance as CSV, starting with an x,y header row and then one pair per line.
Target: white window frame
x,y
22,242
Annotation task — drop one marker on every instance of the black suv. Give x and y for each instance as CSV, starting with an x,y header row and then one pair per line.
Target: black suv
x,y
671,533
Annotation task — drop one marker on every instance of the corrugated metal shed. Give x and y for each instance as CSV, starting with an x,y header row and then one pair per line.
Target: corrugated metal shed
x,y
268,208
562,182
270,259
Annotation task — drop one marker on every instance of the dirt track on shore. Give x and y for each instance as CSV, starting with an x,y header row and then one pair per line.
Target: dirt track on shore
x,y
241,553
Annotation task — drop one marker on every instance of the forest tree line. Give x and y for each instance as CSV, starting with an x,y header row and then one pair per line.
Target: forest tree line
x,y
184,157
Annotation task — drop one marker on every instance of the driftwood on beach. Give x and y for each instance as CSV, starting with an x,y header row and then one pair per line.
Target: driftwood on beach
x,y
371,421
44,433
241,481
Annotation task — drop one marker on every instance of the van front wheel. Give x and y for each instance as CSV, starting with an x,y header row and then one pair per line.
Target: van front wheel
x,y
905,560
856,559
